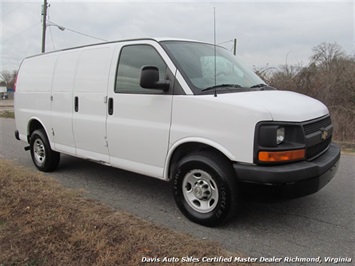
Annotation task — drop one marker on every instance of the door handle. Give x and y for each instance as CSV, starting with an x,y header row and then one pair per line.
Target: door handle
x,y
76,103
110,106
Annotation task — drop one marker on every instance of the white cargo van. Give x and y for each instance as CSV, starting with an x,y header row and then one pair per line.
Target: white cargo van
x,y
181,111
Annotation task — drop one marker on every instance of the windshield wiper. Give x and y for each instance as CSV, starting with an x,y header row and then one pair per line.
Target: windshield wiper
x,y
222,86
258,85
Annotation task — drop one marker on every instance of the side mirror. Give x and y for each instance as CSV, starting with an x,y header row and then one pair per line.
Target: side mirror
x,y
150,79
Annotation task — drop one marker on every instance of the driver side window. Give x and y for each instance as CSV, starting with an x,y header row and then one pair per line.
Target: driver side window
x,y
131,61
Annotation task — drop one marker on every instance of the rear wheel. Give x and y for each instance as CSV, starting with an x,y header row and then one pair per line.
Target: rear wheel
x,y
205,189
43,157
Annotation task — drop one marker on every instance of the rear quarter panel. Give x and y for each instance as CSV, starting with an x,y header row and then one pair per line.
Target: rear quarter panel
x,y
33,91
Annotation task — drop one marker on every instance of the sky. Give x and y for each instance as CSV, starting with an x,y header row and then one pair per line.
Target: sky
x,y
268,33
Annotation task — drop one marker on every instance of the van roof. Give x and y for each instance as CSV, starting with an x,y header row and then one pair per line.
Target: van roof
x,y
157,39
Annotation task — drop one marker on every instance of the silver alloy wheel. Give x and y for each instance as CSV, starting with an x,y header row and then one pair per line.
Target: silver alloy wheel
x,y
200,191
39,151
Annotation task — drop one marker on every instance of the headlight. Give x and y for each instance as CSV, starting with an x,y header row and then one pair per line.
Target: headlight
x,y
280,135
278,142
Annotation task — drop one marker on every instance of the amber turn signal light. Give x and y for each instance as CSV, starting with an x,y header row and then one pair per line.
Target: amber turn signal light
x,y
281,156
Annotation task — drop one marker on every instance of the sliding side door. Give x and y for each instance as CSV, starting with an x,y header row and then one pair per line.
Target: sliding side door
x,y
89,102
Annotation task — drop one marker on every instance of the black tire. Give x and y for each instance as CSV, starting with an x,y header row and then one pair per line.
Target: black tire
x,y
43,157
205,188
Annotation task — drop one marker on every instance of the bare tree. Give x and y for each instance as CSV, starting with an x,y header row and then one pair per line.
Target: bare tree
x,y
9,78
329,77
265,72
326,55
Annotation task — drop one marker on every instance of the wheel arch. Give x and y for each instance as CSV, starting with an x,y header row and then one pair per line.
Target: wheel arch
x,y
34,124
184,147
43,157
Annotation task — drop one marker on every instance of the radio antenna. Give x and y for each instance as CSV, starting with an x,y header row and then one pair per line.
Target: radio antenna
x,y
214,45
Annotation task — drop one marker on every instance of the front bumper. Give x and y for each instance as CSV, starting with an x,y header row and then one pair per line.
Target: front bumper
x,y
302,178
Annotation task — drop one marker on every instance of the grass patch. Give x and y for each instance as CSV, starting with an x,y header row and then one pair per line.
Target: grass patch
x,y
7,114
43,223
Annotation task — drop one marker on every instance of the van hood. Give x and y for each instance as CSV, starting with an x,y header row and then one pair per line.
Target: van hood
x,y
281,105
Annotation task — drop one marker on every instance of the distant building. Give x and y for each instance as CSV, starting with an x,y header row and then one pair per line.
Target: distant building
x,y
3,89
3,93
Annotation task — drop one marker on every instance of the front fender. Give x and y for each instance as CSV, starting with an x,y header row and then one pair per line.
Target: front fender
x,y
207,142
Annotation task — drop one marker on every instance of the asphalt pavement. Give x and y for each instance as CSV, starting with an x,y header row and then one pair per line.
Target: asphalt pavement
x,y
320,225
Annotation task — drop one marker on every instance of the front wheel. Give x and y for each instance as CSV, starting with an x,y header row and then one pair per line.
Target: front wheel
x,y
205,189
43,157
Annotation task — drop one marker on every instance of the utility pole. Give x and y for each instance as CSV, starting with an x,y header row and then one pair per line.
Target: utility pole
x,y
44,27
235,47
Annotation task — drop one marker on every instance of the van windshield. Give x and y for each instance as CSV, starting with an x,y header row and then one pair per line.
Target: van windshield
x,y
205,71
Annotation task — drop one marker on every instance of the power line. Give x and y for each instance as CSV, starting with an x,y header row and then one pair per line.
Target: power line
x,y
75,31
30,27
85,34
234,47
8,13
225,42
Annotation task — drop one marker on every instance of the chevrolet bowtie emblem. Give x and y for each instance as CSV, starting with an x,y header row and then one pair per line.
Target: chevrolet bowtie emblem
x,y
324,134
